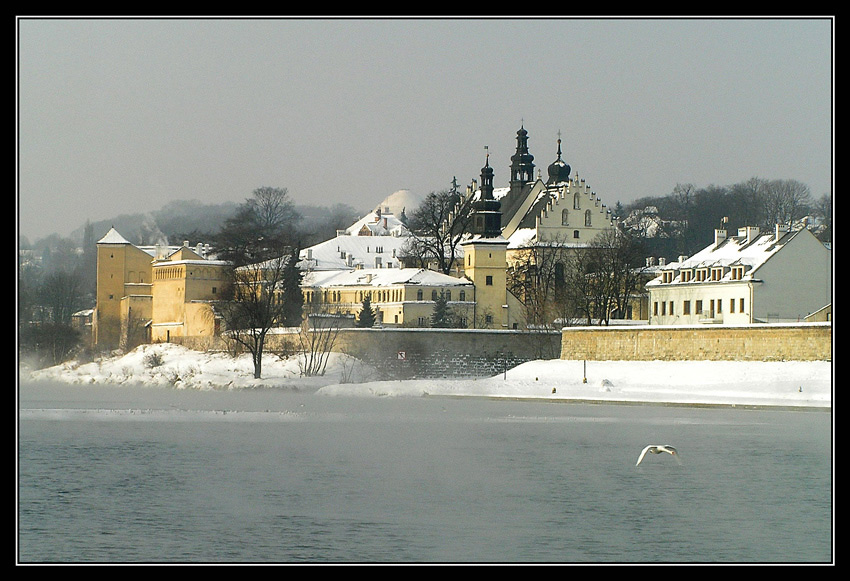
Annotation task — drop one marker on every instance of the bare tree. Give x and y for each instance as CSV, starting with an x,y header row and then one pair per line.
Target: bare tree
x,y
319,331
253,304
537,278
437,227
261,229
786,201
618,258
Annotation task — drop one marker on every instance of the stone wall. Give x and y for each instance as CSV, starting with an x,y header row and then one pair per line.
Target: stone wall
x,y
775,342
454,353
423,353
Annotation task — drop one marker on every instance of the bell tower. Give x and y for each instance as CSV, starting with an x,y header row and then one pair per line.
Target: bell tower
x,y
485,257
486,211
522,162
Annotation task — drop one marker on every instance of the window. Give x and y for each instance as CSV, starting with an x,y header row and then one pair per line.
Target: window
x,y
489,280
663,309
587,218
731,305
655,308
463,295
575,233
686,307
488,318
741,306
576,202
448,295
565,217
671,307
719,305
419,295
699,307
433,295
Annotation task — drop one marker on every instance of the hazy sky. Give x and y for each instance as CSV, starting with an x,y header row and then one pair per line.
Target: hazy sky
x,y
119,116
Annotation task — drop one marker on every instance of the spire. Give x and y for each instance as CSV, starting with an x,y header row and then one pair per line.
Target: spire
x,y
559,171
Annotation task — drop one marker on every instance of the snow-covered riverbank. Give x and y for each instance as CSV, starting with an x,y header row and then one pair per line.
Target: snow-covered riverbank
x,y
785,384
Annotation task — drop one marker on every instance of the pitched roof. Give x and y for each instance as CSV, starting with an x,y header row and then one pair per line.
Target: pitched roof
x,y
381,277
750,251
349,251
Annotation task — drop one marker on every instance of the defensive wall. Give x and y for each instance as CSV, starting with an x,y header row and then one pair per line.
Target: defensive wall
x,y
757,342
422,353
455,353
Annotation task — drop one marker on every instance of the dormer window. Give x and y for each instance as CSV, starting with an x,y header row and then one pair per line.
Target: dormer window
x,y
687,275
737,273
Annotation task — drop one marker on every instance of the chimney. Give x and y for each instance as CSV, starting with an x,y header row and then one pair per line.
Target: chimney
x,y
309,254
752,232
780,231
662,261
719,236
749,231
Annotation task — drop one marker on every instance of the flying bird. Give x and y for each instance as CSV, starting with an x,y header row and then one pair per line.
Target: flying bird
x,y
659,450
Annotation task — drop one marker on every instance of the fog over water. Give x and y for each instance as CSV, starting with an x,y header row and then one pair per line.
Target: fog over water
x,y
144,474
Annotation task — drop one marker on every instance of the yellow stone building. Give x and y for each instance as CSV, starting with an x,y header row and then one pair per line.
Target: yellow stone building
x,y
152,293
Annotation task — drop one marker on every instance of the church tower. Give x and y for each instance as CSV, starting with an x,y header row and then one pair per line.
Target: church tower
x,y
485,257
522,162
487,215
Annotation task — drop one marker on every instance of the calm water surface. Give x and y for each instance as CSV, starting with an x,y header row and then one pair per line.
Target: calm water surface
x,y
118,474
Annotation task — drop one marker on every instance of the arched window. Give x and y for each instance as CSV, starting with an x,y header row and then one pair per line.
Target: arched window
x,y
587,218
576,201
419,295
565,217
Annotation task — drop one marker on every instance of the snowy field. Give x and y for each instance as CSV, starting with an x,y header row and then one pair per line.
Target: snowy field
x,y
784,384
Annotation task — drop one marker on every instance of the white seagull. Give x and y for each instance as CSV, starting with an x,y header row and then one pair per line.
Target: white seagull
x,y
658,449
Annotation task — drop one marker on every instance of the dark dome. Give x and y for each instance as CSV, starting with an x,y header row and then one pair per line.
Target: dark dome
x,y
559,170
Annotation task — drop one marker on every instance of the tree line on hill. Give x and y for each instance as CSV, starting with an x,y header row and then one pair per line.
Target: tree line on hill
x,y
683,221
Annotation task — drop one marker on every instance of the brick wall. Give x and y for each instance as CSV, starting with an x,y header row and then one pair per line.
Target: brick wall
x,y
791,342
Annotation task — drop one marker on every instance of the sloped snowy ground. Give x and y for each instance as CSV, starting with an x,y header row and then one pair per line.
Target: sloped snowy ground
x,y
787,383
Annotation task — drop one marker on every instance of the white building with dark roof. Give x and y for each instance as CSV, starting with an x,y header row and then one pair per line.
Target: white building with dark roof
x,y
754,277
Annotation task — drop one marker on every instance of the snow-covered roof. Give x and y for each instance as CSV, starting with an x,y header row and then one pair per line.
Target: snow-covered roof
x,y
113,237
347,251
378,223
381,277
750,250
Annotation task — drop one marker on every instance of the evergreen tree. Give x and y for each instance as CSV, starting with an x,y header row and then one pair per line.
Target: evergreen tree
x,y
291,296
442,317
367,314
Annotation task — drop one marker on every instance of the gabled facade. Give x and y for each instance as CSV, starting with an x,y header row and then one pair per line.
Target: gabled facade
x,y
754,277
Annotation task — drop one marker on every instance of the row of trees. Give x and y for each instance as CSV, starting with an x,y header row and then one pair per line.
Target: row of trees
x,y
691,214
559,284
52,287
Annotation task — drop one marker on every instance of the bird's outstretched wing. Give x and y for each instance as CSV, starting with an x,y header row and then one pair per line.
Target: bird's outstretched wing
x,y
642,454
